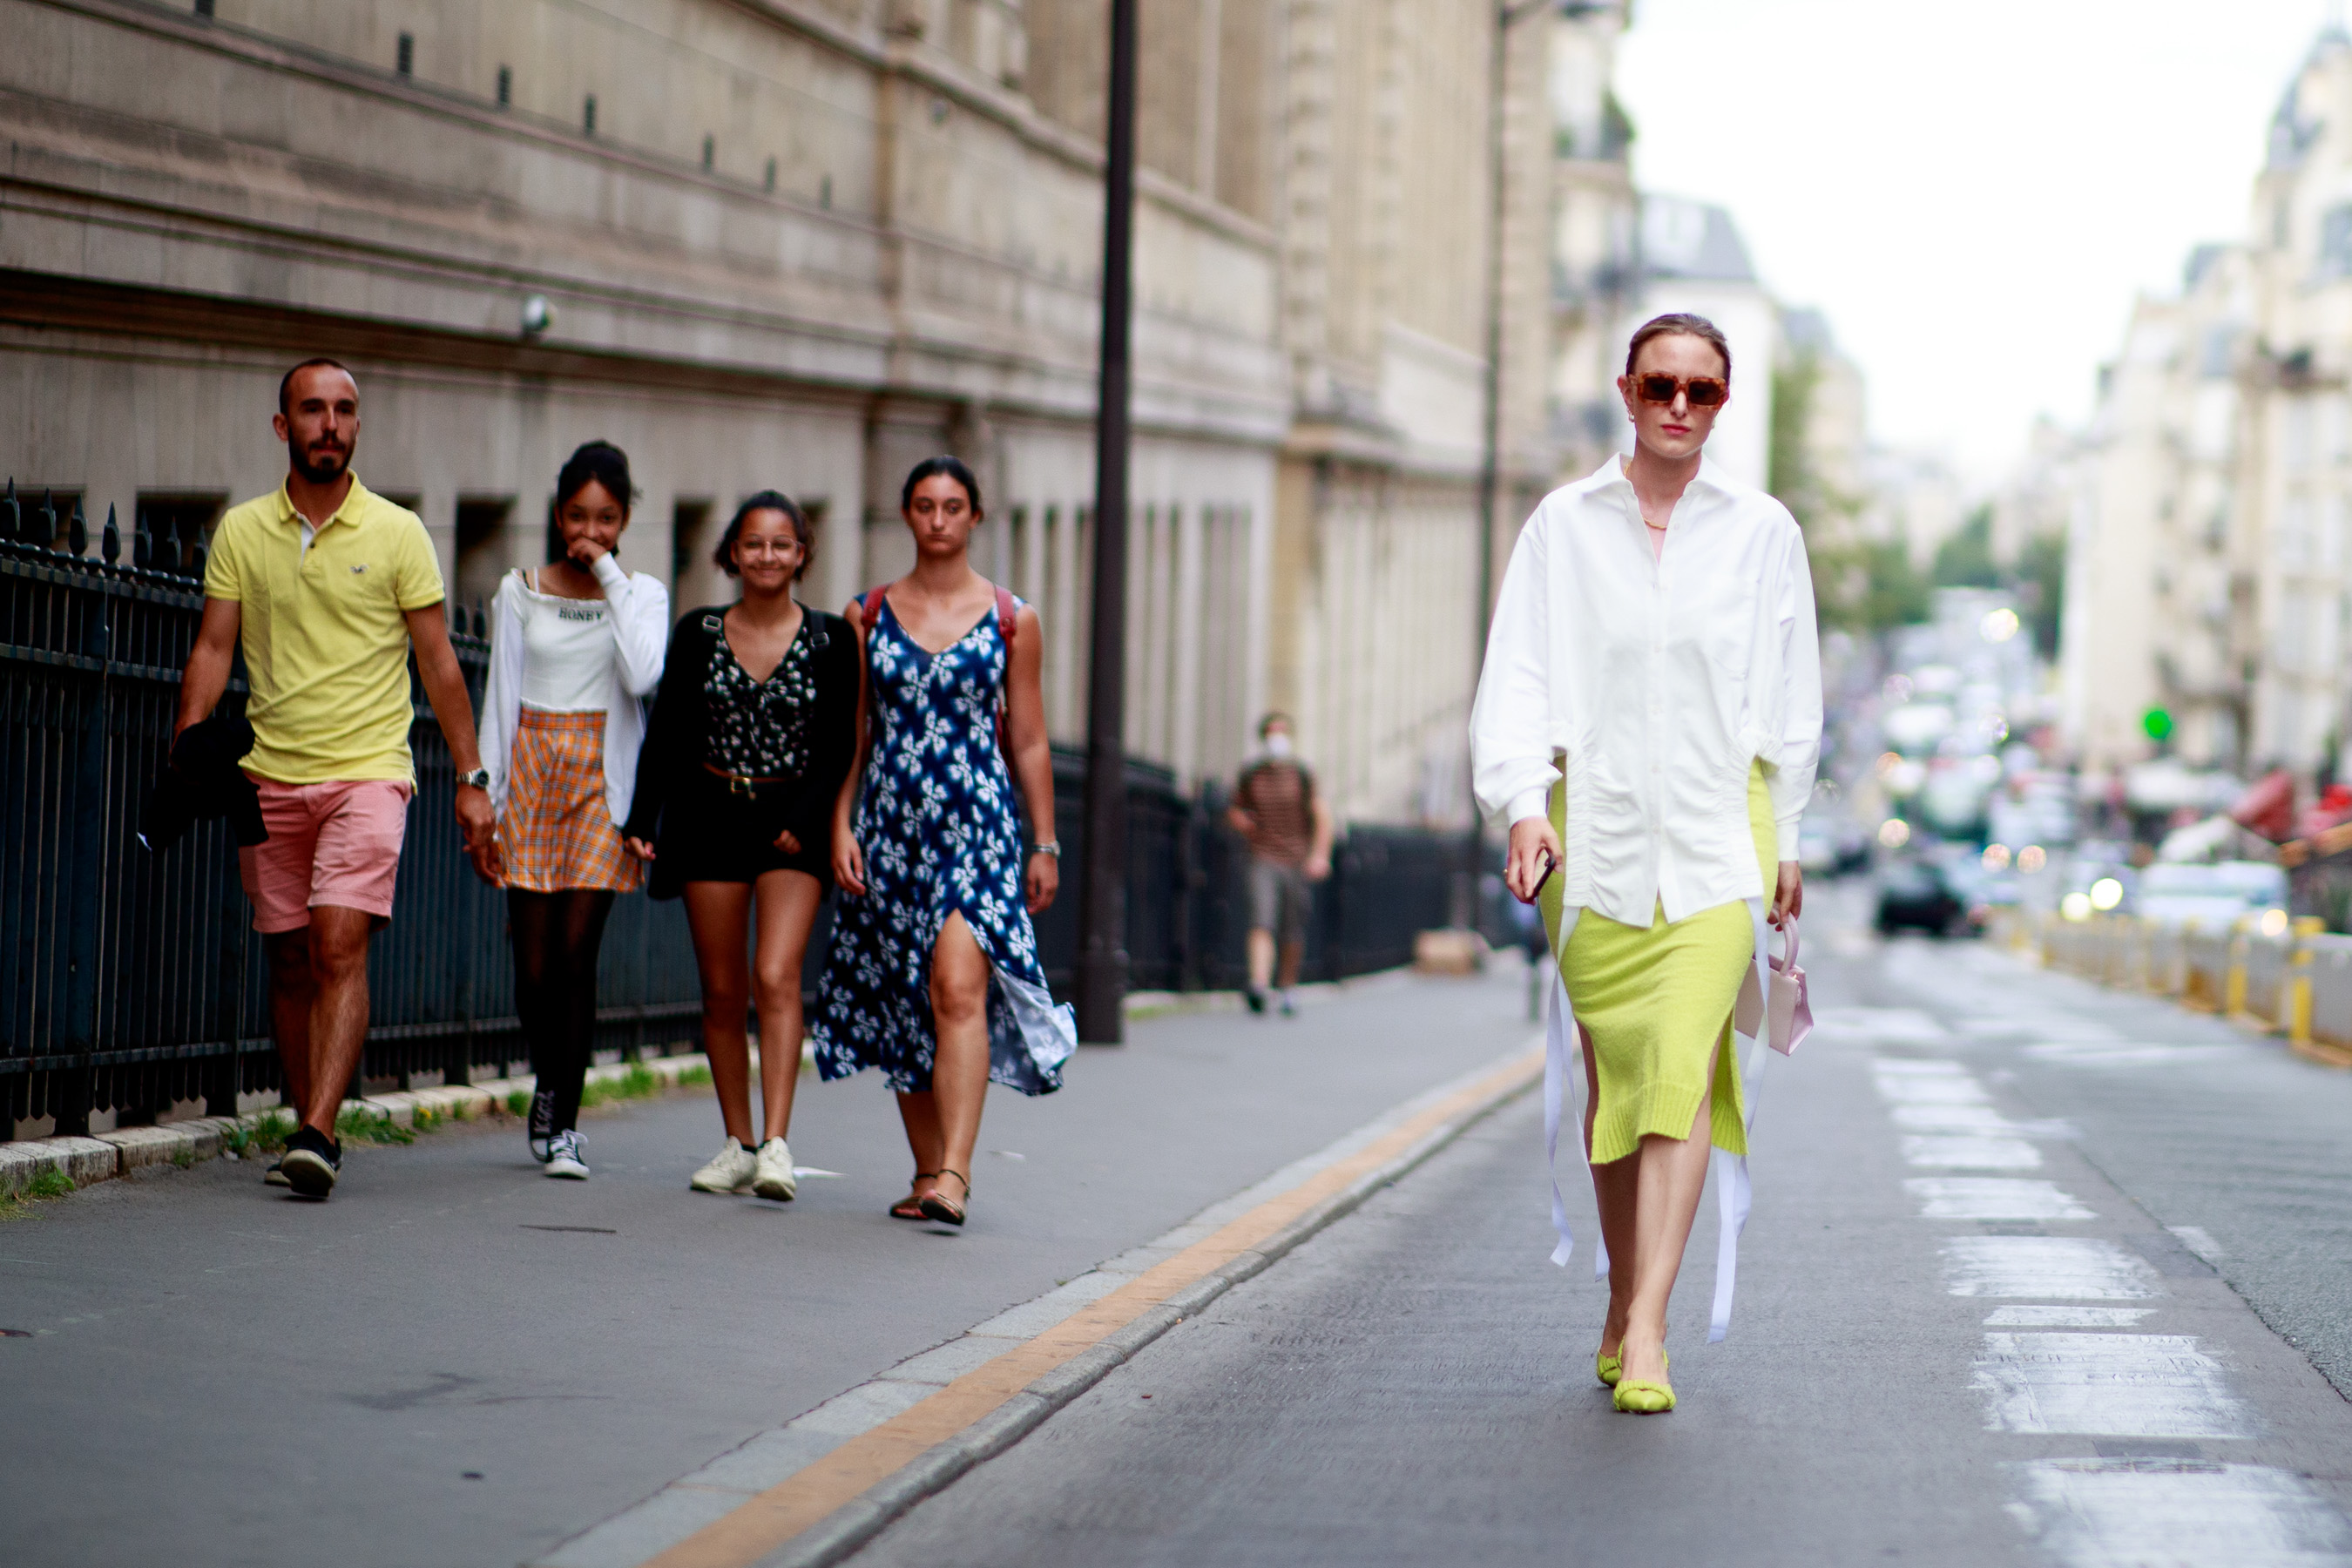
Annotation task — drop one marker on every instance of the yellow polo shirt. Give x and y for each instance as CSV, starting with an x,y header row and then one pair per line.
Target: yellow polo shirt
x,y
324,633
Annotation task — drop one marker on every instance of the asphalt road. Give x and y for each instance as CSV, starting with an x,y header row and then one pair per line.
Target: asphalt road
x,y
1968,1331
457,1361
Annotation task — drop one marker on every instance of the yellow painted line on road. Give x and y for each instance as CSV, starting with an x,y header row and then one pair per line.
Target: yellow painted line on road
x,y
810,1495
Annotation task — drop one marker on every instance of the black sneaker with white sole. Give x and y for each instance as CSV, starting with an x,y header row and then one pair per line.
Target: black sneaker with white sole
x,y
312,1162
275,1177
539,1131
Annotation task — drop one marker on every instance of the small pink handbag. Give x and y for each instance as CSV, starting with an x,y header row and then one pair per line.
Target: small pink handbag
x,y
1788,1017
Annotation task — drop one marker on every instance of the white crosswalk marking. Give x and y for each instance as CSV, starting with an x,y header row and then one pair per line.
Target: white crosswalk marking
x,y
1923,1152
2067,1317
2132,1385
2046,1269
1992,1198
2177,1513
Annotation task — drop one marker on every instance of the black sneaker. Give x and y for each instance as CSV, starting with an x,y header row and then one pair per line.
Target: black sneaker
x,y
1255,998
312,1161
539,1134
275,1177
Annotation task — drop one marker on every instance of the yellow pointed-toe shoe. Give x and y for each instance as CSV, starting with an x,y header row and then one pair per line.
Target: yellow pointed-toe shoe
x,y
1637,1398
1608,1368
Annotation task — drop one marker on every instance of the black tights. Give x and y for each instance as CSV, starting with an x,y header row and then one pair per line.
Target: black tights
x,y
555,940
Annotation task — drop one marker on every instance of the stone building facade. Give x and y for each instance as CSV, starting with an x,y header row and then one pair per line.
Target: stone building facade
x,y
802,244
2210,564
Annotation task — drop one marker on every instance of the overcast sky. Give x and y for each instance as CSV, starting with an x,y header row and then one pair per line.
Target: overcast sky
x,y
1973,194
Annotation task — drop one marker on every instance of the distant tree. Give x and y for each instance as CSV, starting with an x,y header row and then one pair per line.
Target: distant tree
x,y
2040,577
1965,559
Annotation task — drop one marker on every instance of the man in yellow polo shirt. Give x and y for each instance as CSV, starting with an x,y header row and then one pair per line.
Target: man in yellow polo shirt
x,y
328,585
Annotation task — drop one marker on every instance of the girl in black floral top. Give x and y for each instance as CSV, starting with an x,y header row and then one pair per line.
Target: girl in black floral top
x,y
751,735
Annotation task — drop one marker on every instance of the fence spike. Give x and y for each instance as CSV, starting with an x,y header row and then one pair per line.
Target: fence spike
x,y
142,543
110,543
204,554
78,529
45,522
12,516
481,625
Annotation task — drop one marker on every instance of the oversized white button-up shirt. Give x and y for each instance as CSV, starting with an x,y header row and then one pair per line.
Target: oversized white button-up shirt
x,y
1660,679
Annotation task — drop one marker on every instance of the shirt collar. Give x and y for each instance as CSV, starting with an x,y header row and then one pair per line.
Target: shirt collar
x,y
347,512
1611,472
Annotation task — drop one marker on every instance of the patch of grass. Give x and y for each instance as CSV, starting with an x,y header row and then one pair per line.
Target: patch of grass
x,y
640,1082
694,1077
519,1102
184,1157
266,1135
425,1118
359,1125
49,1184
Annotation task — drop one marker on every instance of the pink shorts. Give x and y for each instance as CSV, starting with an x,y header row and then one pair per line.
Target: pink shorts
x,y
335,843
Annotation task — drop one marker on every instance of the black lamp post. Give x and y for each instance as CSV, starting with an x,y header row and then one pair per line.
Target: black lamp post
x,y
1102,893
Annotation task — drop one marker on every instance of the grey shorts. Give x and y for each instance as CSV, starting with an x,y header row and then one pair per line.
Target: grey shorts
x,y
1279,898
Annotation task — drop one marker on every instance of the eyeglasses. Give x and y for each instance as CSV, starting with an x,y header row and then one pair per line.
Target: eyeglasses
x,y
1703,390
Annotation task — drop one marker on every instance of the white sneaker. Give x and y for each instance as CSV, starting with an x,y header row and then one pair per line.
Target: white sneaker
x,y
564,1157
773,1172
729,1170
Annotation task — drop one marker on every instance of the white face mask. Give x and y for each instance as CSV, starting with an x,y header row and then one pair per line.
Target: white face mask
x,y
1277,744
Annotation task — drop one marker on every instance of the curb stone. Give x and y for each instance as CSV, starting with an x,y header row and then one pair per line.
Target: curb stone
x,y
108,1155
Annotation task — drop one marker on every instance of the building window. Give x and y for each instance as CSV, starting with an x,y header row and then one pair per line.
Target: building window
x,y
176,521
588,119
506,86
824,193
691,538
481,559
204,7
407,53
709,151
770,178
2336,242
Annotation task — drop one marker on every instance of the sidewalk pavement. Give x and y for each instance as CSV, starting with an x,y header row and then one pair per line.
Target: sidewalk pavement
x,y
458,1360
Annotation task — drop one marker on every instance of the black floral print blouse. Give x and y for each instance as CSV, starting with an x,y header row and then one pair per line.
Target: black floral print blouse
x,y
760,729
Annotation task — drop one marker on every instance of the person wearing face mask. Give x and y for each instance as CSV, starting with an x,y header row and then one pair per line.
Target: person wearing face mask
x,y
575,646
1288,827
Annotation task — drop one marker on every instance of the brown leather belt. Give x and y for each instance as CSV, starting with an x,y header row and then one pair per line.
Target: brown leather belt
x,y
745,784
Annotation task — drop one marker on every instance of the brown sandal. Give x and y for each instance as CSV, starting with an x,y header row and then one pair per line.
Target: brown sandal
x,y
936,1207
911,1206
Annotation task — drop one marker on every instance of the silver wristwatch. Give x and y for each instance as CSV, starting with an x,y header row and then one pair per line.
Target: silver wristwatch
x,y
1050,847
479,779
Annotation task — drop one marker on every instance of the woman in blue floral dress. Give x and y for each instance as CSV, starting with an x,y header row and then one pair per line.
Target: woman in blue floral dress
x,y
933,974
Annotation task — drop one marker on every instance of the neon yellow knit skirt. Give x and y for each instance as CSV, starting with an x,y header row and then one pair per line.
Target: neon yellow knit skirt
x,y
1657,1003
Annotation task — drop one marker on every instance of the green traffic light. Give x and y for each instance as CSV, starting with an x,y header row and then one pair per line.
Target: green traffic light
x,y
2157,723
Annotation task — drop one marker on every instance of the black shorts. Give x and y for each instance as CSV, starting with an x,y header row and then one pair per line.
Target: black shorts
x,y
711,834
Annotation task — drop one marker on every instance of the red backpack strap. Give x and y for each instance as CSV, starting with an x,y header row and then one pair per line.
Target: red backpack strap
x,y
871,605
1008,622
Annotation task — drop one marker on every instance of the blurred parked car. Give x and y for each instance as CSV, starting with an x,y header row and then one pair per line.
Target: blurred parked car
x,y
2213,896
1916,895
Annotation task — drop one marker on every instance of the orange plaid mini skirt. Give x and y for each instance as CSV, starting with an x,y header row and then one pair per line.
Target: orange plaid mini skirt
x,y
557,832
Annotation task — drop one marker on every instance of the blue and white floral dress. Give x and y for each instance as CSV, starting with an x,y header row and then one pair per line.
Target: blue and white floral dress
x,y
940,825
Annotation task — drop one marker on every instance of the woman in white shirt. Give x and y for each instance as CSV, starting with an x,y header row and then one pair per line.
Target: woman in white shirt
x,y
1648,721
573,647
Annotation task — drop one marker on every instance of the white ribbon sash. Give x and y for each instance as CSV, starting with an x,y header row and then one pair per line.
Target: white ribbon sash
x,y
1731,1184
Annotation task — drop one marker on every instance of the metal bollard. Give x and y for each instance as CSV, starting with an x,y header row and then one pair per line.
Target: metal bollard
x,y
2233,983
2298,1007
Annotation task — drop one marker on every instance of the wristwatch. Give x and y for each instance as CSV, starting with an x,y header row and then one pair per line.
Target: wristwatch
x,y
1050,847
479,779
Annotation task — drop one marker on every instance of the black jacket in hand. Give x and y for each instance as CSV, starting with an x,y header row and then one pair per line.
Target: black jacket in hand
x,y
678,737
203,781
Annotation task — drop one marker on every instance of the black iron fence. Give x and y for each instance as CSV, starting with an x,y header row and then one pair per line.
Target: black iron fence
x,y
130,981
